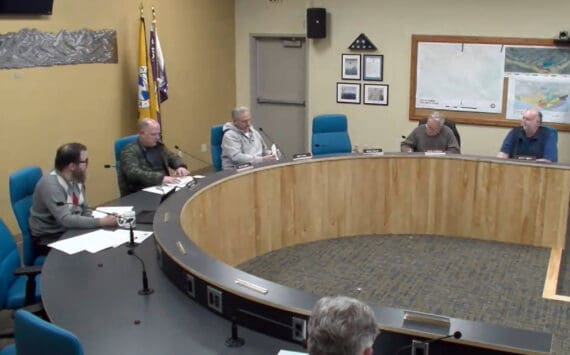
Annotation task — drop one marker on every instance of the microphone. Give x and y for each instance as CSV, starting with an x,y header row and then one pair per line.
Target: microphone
x,y
108,166
413,147
272,141
424,345
145,289
190,155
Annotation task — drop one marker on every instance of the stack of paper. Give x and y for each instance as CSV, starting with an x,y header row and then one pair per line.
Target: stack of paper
x,y
98,240
164,189
101,212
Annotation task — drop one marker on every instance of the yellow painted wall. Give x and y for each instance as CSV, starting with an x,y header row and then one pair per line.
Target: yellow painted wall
x,y
43,108
390,24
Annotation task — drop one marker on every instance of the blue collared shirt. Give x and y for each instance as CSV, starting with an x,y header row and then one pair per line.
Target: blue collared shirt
x,y
542,145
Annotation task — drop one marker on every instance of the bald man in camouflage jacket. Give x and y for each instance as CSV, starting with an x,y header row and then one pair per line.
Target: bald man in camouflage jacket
x,y
146,161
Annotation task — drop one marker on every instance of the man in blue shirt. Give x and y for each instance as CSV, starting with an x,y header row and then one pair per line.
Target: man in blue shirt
x,y
531,140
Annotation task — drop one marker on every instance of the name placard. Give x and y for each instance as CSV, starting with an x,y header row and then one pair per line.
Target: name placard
x,y
300,156
426,318
524,157
434,152
244,166
372,151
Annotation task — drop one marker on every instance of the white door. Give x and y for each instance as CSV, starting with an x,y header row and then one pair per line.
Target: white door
x,y
279,91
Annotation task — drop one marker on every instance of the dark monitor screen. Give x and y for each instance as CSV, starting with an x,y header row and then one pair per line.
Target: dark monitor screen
x,y
26,7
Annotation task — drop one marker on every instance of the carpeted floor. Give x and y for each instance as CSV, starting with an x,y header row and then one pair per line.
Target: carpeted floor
x,y
490,282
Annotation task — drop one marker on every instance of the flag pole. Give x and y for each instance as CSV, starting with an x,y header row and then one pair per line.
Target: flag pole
x,y
155,72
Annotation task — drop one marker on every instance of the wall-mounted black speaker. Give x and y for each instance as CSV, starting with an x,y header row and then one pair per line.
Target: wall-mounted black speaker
x,y
316,22
26,7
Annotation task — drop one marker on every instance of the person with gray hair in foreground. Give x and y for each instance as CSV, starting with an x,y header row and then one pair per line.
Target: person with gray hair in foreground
x,y
341,326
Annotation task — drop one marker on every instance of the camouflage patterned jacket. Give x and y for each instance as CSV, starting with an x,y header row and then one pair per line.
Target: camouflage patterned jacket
x,y
135,172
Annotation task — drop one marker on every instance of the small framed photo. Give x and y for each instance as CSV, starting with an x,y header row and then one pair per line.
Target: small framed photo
x,y
373,67
350,67
348,93
375,94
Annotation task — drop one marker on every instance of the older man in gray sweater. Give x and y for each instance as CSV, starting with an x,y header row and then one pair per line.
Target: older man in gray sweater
x,y
432,136
242,143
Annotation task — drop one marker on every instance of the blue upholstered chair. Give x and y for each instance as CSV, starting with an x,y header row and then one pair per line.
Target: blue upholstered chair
x,y
22,184
554,132
19,286
120,144
330,135
35,336
216,135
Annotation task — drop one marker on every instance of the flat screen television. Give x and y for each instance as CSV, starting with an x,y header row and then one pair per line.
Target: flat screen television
x,y
26,7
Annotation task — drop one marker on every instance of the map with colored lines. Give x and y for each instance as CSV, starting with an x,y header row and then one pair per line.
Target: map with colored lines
x,y
537,60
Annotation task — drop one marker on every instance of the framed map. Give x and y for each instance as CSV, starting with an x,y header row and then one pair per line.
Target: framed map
x,y
489,80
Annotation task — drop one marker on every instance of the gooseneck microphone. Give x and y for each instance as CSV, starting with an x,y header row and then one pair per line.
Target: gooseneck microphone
x,y
260,129
145,291
422,347
131,244
190,155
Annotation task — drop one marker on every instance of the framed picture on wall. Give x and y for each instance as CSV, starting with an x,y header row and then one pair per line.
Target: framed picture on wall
x,y
350,67
373,67
348,93
375,94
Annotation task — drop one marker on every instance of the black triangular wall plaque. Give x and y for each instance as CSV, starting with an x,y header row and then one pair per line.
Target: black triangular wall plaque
x,y
362,43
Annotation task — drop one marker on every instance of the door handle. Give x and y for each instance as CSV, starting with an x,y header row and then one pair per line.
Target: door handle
x,y
263,100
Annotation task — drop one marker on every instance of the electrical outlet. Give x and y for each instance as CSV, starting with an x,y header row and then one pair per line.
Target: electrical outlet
x,y
214,298
299,328
204,147
190,286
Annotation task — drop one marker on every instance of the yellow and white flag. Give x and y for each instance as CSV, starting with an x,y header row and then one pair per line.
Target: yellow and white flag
x,y
147,92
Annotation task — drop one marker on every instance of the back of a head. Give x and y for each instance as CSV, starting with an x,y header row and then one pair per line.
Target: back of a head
x,y
340,326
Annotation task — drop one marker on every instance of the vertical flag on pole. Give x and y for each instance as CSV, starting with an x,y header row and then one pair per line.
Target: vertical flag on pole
x,y
147,93
158,67
157,60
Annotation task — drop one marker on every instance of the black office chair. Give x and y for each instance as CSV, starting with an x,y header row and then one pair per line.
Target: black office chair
x,y
448,123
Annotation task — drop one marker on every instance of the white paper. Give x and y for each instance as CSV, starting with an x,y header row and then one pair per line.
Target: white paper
x,y
160,189
124,235
183,181
288,352
164,189
274,151
103,211
95,239
98,240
